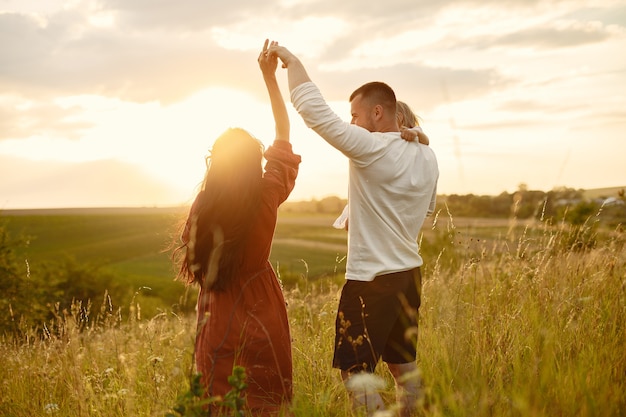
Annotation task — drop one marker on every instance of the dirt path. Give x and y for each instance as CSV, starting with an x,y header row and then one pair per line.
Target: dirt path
x,y
311,244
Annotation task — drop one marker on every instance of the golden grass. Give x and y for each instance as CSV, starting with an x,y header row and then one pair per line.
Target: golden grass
x,y
519,325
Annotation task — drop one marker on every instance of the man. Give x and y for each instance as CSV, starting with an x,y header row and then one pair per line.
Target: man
x,y
392,188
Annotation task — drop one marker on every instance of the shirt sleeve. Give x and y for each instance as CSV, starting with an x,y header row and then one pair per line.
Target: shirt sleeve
x,y
361,146
281,170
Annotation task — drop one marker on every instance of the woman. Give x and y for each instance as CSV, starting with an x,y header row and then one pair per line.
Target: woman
x,y
242,319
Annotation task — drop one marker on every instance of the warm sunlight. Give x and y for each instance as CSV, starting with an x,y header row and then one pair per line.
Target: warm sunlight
x,y
531,92
169,142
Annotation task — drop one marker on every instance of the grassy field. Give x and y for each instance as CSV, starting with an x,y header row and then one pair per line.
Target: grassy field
x,y
518,319
135,246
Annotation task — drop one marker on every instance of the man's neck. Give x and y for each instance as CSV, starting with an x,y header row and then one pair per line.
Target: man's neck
x,y
388,127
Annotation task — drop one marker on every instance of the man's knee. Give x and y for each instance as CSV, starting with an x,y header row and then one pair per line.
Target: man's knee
x,y
404,370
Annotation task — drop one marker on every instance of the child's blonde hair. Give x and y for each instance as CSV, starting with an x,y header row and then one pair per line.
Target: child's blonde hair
x,y
405,115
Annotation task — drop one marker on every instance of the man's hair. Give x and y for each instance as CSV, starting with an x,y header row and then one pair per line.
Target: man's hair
x,y
377,92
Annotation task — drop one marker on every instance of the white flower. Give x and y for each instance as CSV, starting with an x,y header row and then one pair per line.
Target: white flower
x,y
384,413
155,359
51,408
365,382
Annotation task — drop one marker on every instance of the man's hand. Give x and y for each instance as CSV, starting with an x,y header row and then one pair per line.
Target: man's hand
x,y
281,52
296,74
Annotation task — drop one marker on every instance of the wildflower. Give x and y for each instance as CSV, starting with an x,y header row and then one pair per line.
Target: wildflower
x,y
51,408
155,359
365,382
385,413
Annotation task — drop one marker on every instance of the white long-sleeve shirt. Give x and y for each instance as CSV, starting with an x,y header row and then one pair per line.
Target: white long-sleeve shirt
x,y
392,187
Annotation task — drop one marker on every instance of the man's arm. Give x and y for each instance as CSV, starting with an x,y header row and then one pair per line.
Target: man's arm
x,y
296,73
433,202
268,64
355,142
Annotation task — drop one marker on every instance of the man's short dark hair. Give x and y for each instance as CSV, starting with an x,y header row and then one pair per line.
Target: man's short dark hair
x,y
377,92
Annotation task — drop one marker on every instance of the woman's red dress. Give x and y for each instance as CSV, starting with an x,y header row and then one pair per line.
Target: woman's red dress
x,y
246,323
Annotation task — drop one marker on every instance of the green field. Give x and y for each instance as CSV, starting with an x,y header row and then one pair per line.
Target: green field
x,y
135,245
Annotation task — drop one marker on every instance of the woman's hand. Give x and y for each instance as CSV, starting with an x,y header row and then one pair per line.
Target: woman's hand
x,y
268,62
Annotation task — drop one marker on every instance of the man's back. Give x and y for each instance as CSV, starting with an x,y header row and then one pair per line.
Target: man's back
x,y
389,199
392,188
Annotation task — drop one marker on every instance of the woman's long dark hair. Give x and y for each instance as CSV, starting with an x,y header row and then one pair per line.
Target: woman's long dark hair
x,y
217,229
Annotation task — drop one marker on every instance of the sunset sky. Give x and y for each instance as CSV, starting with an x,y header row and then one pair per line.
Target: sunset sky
x,y
116,102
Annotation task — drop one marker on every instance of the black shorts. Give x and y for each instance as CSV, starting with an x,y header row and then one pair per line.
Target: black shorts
x,y
378,319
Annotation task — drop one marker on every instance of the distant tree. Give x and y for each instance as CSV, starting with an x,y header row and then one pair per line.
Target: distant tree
x,y
580,213
11,281
28,298
501,204
20,305
330,205
71,281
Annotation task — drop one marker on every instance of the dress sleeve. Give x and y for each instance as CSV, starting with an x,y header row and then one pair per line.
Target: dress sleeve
x,y
281,171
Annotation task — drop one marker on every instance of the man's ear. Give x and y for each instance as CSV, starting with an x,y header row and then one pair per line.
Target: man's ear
x,y
378,112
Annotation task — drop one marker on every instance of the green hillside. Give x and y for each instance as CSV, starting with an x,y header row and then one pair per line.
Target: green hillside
x,y
135,245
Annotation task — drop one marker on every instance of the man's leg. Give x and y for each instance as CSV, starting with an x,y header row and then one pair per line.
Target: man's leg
x,y
408,386
363,388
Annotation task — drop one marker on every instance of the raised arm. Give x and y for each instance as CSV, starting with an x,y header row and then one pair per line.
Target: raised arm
x,y
268,64
296,73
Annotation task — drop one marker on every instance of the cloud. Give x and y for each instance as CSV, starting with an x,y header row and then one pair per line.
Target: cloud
x,y
498,67
188,16
573,34
104,183
423,87
40,119
67,56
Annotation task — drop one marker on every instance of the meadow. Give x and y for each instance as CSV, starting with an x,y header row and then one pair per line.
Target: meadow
x,y
517,319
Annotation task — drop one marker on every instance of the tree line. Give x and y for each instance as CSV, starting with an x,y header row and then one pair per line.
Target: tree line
x,y
560,204
28,300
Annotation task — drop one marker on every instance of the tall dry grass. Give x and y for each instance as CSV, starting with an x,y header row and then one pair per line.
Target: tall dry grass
x,y
533,325
530,321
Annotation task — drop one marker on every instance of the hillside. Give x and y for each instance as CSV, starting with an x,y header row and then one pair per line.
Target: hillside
x,y
603,192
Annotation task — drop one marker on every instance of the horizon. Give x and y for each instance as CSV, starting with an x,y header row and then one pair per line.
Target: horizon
x,y
602,192
116,104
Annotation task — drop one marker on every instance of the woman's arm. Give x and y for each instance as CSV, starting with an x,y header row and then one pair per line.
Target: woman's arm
x,y
268,64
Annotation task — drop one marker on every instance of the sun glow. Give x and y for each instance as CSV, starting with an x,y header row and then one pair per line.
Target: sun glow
x,y
168,142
